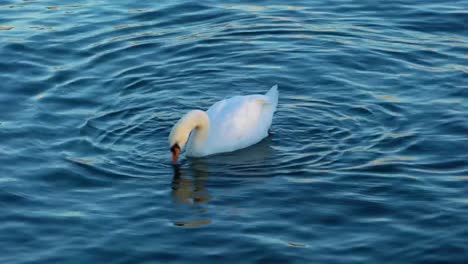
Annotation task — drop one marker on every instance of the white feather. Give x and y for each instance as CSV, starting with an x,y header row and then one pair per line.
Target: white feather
x,y
232,124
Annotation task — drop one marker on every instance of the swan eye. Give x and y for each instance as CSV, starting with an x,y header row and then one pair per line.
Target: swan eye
x,y
174,147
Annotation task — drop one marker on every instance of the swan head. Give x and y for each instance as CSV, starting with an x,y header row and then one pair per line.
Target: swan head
x,y
180,132
178,138
175,149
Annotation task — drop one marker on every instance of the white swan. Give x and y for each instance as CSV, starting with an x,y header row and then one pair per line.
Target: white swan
x,y
228,125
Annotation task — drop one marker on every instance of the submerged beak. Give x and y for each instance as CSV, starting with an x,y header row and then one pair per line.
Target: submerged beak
x,y
175,153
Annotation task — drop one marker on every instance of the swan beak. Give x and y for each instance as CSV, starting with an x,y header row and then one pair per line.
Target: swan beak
x,y
175,153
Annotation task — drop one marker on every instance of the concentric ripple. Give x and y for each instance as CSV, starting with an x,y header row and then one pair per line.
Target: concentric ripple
x,y
366,161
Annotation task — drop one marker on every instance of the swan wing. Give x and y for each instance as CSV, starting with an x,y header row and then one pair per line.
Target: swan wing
x,y
240,121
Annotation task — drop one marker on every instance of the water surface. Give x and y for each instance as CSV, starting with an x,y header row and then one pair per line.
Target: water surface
x,y
366,161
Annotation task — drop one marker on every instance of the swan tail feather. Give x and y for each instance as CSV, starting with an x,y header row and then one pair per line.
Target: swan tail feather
x,y
272,95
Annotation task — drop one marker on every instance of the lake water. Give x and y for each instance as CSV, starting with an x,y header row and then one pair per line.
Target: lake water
x,y
367,161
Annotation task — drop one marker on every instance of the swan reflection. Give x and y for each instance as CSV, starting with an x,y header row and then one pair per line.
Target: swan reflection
x,y
189,190
189,185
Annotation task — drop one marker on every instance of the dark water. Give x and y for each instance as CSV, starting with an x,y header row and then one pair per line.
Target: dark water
x,y
367,161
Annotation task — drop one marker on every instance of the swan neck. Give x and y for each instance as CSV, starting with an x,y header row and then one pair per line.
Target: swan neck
x,y
199,135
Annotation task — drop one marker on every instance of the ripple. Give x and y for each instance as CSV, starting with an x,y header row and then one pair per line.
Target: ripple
x,y
195,223
6,28
366,151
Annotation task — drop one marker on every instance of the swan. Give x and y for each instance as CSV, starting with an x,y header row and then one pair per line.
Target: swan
x,y
228,125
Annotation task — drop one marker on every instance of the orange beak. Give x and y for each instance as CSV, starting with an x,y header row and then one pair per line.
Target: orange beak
x,y
175,153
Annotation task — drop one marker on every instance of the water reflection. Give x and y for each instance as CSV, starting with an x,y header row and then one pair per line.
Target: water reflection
x,y
189,190
257,155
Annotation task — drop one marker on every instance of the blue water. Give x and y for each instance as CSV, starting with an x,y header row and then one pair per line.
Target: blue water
x,y
367,161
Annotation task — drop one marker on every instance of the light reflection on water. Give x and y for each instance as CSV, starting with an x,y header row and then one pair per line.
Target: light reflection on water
x,y
366,161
